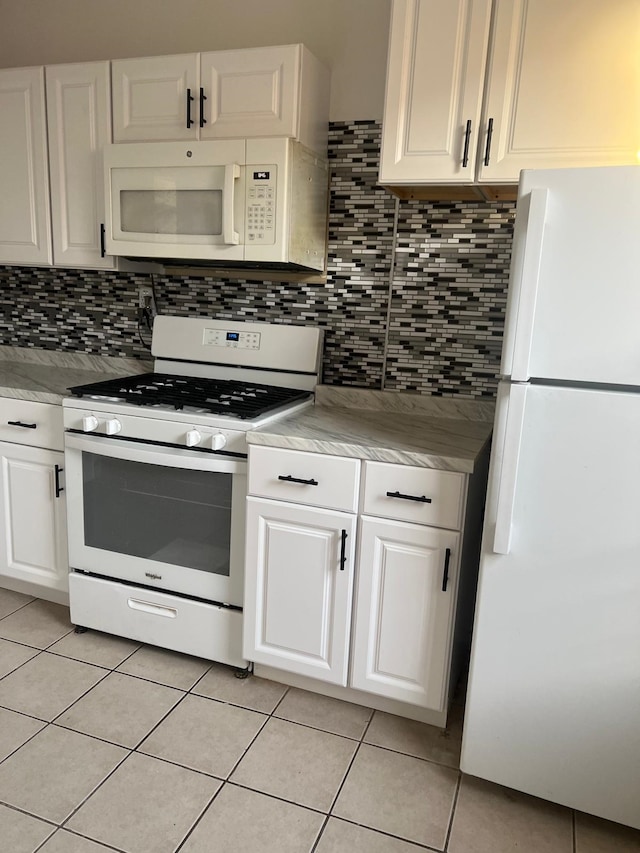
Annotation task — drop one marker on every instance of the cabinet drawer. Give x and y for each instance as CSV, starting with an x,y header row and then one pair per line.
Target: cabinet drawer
x,y
327,481
421,495
28,422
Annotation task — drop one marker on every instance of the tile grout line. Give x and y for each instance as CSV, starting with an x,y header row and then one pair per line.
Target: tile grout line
x,y
226,780
46,820
102,781
75,834
330,814
386,834
454,805
130,750
192,828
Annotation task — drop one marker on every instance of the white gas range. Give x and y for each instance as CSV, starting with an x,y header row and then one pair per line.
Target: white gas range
x,y
156,480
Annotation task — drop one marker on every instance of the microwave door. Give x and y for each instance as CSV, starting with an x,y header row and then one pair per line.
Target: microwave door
x,y
177,211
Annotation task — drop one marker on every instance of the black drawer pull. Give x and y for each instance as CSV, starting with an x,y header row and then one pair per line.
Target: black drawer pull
x,y
203,98
445,574
290,479
467,138
57,471
20,424
487,150
343,549
190,98
420,499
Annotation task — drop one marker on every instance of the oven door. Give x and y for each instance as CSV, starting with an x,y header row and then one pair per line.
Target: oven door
x,y
157,516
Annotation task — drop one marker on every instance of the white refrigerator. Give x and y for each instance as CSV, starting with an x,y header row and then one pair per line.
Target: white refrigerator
x,y
553,703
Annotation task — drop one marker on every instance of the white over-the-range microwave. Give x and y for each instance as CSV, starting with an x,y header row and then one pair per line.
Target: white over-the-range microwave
x,y
232,202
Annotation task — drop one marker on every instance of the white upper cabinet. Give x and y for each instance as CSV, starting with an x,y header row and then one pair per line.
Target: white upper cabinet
x,y
154,98
79,122
545,85
265,91
25,231
435,71
563,87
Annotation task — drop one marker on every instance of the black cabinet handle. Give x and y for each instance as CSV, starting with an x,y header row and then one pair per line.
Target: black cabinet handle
x,y
467,137
290,479
190,98
203,98
57,471
102,246
420,499
487,150
343,550
445,574
23,425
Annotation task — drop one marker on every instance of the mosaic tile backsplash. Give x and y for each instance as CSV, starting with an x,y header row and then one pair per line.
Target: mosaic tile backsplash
x,y
414,299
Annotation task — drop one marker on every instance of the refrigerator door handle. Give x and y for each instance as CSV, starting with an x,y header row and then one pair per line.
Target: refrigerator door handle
x,y
529,281
509,469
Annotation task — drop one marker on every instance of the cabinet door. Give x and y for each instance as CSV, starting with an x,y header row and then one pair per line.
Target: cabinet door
x,y
32,517
406,587
25,231
435,72
79,121
251,92
151,98
297,609
562,87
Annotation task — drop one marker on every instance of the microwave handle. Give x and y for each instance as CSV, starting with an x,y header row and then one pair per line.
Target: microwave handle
x,y
231,174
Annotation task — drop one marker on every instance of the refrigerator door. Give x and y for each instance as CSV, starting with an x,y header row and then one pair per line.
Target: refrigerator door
x,y
574,293
553,706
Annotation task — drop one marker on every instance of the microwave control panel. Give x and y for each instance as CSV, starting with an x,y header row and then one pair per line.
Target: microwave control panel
x,y
261,204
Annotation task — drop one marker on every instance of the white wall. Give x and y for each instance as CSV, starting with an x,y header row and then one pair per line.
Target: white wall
x,y
350,36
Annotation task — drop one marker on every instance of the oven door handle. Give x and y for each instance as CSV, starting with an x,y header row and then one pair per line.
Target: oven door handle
x,y
171,457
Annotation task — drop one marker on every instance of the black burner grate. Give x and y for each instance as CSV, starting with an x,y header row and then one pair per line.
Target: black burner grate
x,y
244,400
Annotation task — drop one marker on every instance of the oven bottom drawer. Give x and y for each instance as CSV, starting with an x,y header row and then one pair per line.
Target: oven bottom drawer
x,y
192,627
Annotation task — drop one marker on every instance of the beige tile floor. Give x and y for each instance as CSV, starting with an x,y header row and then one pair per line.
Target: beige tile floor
x,y
106,745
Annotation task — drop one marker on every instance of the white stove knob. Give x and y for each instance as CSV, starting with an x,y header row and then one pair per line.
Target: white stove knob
x,y
218,441
89,423
112,426
192,438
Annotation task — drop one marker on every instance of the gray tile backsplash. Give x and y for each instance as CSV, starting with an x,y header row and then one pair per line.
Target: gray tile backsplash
x,y
432,324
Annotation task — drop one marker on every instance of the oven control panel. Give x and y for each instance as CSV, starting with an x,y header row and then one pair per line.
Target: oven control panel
x,y
236,340
100,425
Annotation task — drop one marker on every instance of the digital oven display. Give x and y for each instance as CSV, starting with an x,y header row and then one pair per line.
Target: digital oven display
x,y
233,336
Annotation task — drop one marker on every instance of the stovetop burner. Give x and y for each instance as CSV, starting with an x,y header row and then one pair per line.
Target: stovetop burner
x,y
243,400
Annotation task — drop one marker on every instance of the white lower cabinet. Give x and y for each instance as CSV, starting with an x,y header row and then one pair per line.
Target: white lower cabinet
x,y
392,628
298,592
33,519
403,614
33,527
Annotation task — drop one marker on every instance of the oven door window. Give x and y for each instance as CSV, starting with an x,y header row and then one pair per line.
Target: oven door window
x,y
171,515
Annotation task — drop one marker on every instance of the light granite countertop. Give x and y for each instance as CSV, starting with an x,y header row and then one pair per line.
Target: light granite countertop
x,y
46,375
411,429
